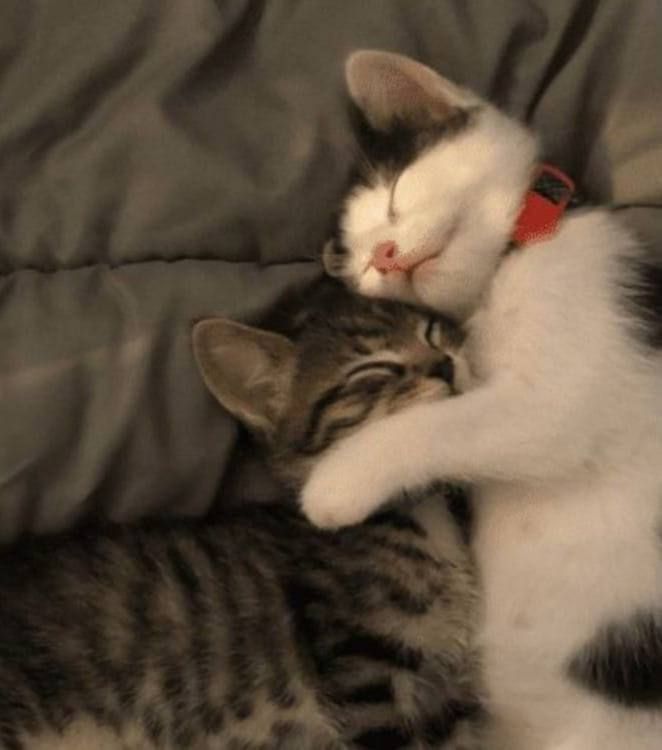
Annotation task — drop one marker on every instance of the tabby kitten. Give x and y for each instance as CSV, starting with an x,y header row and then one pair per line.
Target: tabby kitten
x,y
260,631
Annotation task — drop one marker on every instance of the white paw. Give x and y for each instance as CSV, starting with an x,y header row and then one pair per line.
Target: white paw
x,y
325,512
341,491
329,501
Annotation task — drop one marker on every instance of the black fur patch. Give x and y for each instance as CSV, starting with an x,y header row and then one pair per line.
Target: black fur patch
x,y
372,692
394,519
391,150
386,152
459,504
623,662
643,299
324,427
383,738
441,728
379,648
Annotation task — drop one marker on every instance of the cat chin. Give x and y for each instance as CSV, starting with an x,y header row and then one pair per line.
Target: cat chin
x,y
401,285
426,286
446,288
395,285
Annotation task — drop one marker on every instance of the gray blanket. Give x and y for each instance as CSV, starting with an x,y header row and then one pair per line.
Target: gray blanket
x,y
164,160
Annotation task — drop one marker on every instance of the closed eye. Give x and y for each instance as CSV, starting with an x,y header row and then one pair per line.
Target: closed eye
x,y
391,213
376,368
433,333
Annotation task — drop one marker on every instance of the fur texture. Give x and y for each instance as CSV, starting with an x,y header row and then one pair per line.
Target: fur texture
x,y
559,431
260,632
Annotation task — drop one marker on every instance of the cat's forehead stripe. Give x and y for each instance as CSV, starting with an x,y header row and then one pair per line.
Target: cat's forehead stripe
x,y
386,153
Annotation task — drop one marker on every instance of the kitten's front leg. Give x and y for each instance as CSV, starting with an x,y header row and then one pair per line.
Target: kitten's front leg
x,y
352,481
497,432
365,471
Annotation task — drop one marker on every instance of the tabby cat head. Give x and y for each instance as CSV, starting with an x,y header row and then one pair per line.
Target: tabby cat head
x,y
327,365
441,178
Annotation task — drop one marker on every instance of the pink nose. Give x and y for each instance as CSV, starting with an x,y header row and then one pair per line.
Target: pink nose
x,y
385,256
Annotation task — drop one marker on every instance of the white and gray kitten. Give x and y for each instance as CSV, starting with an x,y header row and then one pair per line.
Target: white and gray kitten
x,y
561,432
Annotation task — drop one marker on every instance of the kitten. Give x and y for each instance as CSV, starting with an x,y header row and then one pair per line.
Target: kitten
x,y
560,432
259,631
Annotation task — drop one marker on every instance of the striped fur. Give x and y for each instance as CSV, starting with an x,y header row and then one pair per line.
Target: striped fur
x,y
256,632
356,360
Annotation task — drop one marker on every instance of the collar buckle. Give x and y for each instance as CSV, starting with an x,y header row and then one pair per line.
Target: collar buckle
x,y
544,205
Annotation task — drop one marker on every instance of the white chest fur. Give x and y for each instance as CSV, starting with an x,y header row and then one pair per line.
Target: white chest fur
x,y
561,437
578,546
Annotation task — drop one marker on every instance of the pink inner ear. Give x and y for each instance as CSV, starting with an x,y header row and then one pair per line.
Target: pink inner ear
x,y
385,84
406,94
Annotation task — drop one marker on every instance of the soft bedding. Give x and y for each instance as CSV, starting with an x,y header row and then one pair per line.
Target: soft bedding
x,y
166,160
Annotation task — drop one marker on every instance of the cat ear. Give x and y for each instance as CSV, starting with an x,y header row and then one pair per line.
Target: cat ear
x,y
249,371
387,86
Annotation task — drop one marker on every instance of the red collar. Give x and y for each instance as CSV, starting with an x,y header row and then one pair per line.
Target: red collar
x,y
543,206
